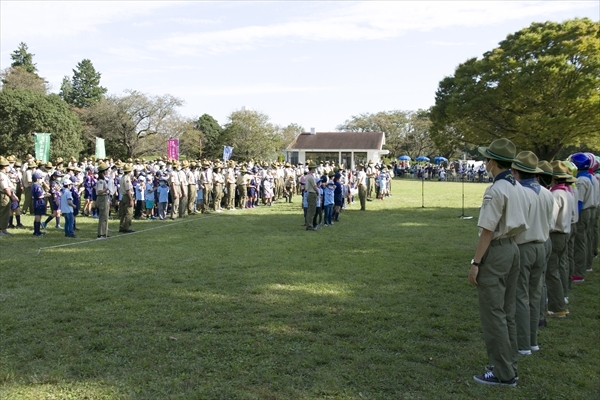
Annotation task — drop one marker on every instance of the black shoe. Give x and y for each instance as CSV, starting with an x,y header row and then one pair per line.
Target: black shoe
x,y
122,231
489,379
11,226
20,226
490,368
542,323
129,231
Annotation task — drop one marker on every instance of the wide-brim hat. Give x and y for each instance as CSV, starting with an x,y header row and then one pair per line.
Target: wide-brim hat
x,y
4,162
128,167
561,170
527,161
102,167
545,167
311,165
500,149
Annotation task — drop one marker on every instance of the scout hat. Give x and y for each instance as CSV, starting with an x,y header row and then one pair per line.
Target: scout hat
x,y
500,149
11,159
102,167
128,167
66,182
3,162
48,165
526,161
311,165
560,170
545,167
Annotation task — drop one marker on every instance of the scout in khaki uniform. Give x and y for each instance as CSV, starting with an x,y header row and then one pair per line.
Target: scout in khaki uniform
x,y
557,273
242,187
532,250
206,179
102,201
371,174
218,182
183,200
311,189
192,188
495,267
230,182
361,183
127,200
7,196
175,191
27,184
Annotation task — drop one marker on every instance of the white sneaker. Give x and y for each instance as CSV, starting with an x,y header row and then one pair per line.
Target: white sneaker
x,y
566,300
525,352
535,348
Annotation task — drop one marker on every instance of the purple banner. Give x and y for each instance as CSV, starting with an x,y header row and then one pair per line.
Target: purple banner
x,y
173,149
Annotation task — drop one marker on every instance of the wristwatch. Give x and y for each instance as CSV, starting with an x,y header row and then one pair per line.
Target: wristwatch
x,y
474,263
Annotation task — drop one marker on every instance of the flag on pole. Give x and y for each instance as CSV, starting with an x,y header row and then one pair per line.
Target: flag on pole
x,y
42,146
227,150
173,149
100,150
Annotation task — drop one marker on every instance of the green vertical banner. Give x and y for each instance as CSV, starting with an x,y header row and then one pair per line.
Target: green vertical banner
x,y
100,150
42,146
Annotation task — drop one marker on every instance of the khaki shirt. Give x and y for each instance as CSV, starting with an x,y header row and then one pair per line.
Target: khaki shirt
x,y
563,200
230,175
311,185
539,217
206,177
182,177
191,177
126,187
503,210
174,178
4,183
361,178
101,185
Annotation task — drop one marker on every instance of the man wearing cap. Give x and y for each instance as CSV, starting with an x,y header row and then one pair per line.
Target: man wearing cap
x,y
127,200
586,201
361,184
532,250
495,266
311,189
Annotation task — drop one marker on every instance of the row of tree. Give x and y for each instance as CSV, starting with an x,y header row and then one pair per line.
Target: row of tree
x,y
132,124
540,88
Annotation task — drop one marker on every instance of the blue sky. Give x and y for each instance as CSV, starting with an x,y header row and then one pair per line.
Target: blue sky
x,y
311,63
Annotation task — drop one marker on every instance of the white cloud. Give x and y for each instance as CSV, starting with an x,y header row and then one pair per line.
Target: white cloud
x,y
67,18
362,21
242,90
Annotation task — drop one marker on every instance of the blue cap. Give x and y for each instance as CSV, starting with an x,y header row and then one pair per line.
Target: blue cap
x,y
581,161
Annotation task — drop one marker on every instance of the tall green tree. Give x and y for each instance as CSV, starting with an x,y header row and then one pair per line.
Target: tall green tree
x,y
251,135
23,58
539,88
212,134
84,89
23,112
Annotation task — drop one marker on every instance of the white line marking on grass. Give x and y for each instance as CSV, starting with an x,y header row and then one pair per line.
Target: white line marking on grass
x,y
124,234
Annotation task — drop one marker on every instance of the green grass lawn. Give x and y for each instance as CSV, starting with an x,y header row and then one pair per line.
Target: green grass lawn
x,y
249,305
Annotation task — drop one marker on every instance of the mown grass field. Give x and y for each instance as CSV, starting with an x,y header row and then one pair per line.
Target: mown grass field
x,y
249,305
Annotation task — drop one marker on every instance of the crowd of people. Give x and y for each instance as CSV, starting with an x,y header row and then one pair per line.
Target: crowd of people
x,y
538,235
163,189
538,220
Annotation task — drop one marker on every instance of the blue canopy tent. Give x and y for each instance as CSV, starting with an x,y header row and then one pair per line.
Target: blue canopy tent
x,y
404,158
439,160
422,158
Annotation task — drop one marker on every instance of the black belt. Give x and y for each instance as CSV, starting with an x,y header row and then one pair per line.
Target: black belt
x,y
502,242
